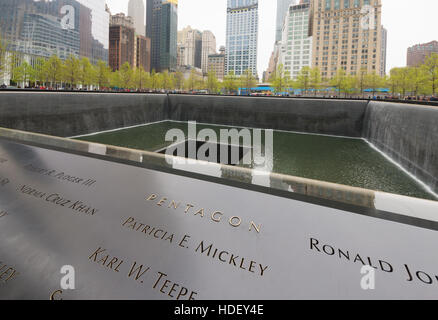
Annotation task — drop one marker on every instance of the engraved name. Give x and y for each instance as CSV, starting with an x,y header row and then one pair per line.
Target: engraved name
x,y
214,216
231,259
7,272
59,200
61,175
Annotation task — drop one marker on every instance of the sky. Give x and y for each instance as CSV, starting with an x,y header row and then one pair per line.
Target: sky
x,y
408,22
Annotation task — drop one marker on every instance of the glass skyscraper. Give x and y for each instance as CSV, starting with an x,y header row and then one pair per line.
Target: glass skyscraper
x,y
282,9
57,27
242,36
162,29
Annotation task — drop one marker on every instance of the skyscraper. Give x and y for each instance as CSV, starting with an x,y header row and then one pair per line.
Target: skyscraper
x,y
191,40
162,28
168,36
122,41
282,9
136,10
383,52
347,34
296,45
62,27
242,36
208,48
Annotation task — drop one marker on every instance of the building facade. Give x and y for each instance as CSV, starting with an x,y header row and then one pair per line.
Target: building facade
x,y
122,41
208,48
347,34
242,36
143,53
58,27
216,64
417,54
168,36
136,10
296,45
162,28
383,52
282,9
191,40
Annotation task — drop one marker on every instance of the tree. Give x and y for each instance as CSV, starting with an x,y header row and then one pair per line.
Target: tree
x,y
191,81
14,62
72,71
230,82
279,79
400,76
361,80
126,75
303,79
53,69
417,80
3,48
140,78
179,80
247,80
340,81
315,79
430,67
166,80
24,73
88,73
374,82
103,74
212,82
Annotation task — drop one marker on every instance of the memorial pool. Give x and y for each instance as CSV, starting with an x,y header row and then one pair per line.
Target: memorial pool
x,y
343,160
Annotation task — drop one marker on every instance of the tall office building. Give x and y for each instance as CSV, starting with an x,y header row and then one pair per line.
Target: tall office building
x,y
122,41
343,37
162,28
242,36
208,48
191,40
417,54
296,45
282,9
383,52
136,10
58,27
168,36
143,53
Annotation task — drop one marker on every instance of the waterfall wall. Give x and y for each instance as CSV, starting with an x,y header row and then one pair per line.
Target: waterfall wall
x,y
408,134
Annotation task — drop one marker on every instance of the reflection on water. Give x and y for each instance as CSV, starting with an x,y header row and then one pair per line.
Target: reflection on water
x,y
344,161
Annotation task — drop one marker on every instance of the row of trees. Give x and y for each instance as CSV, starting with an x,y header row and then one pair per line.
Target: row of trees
x,y
74,73
414,81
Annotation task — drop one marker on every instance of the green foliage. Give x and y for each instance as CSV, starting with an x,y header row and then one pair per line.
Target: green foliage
x,y
103,74
230,82
303,79
126,76
212,82
3,62
24,73
280,80
72,71
53,70
430,68
247,79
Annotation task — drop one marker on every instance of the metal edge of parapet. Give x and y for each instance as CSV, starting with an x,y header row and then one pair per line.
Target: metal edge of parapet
x,y
413,207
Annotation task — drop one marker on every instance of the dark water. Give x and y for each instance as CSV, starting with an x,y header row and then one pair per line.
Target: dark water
x,y
340,160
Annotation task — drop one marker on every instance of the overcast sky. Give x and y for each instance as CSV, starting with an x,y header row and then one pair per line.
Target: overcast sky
x,y
408,22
